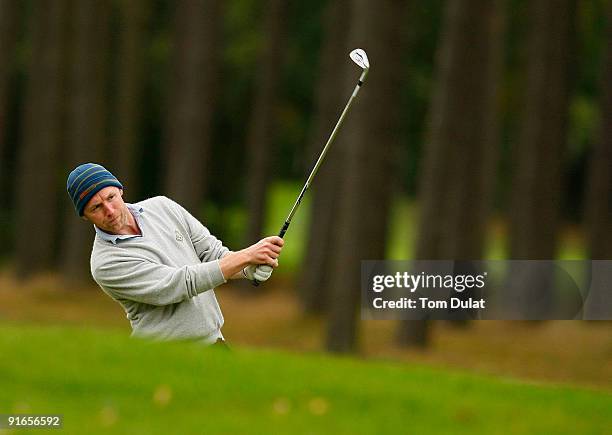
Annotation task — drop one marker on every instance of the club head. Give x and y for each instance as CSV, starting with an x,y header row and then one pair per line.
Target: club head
x,y
360,58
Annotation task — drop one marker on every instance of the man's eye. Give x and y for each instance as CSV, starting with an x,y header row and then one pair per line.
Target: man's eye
x,y
111,197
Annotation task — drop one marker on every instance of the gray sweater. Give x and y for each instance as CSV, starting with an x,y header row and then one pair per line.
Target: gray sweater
x,y
164,279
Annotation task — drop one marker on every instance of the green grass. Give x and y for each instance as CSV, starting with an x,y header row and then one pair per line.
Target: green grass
x,y
103,382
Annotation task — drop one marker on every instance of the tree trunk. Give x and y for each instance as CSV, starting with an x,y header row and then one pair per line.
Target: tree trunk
x,y
37,201
134,14
598,207
193,99
473,134
9,19
369,143
262,121
599,193
457,175
87,126
314,284
541,146
540,151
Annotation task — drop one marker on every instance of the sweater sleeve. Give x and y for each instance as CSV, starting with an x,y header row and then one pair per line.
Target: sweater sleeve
x,y
156,284
207,246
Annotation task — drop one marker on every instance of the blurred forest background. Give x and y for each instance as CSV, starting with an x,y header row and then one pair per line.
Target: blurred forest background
x,y
484,131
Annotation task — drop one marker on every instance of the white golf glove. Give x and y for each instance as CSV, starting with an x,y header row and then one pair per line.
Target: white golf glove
x,y
260,272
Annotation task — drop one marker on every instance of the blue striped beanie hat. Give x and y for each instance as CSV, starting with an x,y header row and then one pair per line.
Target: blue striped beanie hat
x,y
85,181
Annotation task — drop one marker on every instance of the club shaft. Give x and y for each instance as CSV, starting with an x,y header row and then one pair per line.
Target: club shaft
x,y
315,169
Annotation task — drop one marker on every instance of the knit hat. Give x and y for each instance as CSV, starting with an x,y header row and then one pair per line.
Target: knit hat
x,y
85,181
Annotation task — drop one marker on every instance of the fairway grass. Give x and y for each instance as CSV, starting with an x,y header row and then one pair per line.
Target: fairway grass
x,y
104,382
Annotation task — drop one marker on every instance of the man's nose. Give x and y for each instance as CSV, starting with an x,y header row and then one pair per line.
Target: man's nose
x,y
108,210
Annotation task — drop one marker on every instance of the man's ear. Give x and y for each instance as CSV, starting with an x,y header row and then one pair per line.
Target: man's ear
x,y
121,192
84,218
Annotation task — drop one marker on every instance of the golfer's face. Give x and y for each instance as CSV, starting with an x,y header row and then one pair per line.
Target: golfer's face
x,y
106,210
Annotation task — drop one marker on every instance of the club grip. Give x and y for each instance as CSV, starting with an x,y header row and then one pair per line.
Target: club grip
x,y
283,230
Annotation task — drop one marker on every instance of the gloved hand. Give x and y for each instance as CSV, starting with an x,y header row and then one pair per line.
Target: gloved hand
x,y
260,272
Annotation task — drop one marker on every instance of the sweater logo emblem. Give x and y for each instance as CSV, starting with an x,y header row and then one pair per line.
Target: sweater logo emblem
x,y
179,236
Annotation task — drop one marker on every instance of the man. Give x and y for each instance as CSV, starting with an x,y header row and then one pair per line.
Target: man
x,y
158,261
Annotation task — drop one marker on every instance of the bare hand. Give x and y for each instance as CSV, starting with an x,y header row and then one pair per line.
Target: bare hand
x,y
266,251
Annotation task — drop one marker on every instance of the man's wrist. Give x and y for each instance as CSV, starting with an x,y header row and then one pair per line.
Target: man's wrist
x,y
232,264
244,259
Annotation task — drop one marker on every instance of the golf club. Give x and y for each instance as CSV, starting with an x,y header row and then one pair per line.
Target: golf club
x,y
360,58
